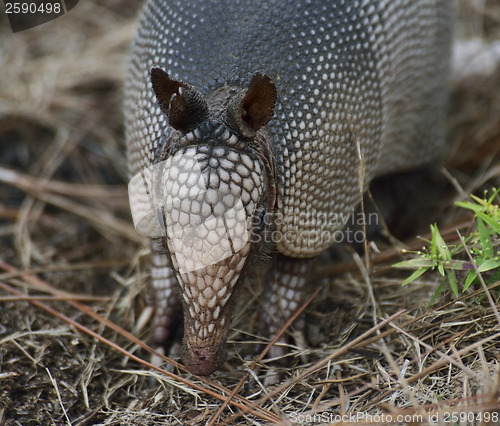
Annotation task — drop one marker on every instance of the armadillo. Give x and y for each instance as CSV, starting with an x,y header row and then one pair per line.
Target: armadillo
x,y
255,126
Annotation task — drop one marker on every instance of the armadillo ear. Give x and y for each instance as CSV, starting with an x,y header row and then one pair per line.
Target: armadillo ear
x,y
256,107
185,107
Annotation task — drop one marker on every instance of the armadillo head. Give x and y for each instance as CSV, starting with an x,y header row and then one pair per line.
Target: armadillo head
x,y
217,184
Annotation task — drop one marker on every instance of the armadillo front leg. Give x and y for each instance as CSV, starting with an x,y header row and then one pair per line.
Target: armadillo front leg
x,y
287,285
167,306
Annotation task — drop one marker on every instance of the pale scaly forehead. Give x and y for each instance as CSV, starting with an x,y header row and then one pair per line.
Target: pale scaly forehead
x,y
210,195
202,199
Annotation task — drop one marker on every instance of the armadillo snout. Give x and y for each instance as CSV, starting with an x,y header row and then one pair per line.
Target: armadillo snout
x,y
208,302
211,194
201,360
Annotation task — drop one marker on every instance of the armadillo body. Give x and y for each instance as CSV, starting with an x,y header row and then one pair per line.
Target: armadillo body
x,y
290,108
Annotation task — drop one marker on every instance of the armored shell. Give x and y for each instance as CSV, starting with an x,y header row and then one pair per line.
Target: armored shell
x,y
361,91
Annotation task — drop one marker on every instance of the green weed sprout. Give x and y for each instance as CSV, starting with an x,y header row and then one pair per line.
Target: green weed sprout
x,y
480,244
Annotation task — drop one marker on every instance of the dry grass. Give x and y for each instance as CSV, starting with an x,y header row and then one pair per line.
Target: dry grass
x,y
73,272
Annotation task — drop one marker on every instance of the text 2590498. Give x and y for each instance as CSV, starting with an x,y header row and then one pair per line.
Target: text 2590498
x,y
470,417
33,7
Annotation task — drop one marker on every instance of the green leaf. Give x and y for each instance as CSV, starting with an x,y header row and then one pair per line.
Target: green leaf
x,y
495,193
414,276
458,265
480,201
438,291
414,263
471,276
441,269
434,248
489,264
470,206
493,222
452,279
442,247
484,237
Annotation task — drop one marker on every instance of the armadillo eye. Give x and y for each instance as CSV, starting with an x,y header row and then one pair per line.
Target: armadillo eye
x,y
245,117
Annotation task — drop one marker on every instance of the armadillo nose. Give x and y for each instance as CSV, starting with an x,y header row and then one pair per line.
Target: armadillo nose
x,y
203,361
